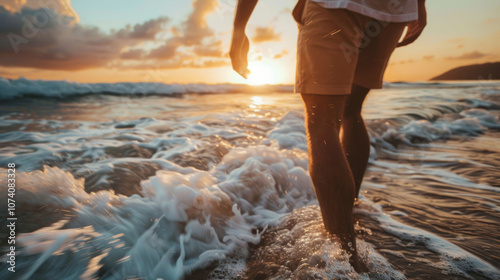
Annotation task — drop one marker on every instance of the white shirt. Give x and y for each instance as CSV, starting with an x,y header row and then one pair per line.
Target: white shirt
x,y
383,10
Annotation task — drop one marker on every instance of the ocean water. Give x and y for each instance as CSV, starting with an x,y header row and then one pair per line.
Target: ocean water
x,y
154,181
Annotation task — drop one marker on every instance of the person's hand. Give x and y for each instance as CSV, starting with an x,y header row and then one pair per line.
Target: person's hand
x,y
415,28
239,52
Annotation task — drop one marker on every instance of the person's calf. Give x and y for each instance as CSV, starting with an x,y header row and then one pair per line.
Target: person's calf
x,y
356,144
329,169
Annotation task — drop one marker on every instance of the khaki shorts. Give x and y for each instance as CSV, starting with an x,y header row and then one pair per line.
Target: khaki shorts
x,y
337,48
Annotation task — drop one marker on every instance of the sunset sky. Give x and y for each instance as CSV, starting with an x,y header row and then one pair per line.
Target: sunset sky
x,y
182,41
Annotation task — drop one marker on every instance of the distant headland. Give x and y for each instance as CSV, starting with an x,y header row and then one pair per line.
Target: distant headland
x,y
487,71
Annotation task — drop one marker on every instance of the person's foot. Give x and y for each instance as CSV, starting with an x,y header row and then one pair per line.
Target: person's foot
x,y
354,260
348,243
357,264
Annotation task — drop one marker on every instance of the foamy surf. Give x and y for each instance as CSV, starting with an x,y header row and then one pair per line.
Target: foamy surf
x,y
19,88
183,188
182,220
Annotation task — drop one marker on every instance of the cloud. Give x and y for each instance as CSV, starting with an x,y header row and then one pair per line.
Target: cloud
x,y
195,27
406,61
4,73
225,8
61,7
179,61
455,40
164,52
210,64
492,20
39,37
213,49
459,42
195,38
176,31
281,54
265,34
132,54
428,57
191,33
469,55
148,30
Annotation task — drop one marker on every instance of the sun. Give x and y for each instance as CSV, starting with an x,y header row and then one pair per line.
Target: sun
x,y
261,73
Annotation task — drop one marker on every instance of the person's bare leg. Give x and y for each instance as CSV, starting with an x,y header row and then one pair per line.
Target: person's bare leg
x,y
329,169
354,136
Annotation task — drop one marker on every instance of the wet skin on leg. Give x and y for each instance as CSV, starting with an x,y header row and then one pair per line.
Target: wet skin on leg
x,y
354,135
329,169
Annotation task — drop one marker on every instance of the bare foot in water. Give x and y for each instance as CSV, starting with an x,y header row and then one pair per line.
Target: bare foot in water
x,y
356,263
350,247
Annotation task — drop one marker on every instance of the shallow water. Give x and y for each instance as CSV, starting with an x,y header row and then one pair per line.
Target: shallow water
x,y
216,186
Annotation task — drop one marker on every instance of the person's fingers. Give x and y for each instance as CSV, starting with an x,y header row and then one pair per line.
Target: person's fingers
x,y
241,69
412,34
236,66
244,73
240,64
240,46
239,55
411,38
235,61
407,41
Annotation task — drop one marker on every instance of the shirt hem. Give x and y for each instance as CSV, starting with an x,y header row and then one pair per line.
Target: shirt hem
x,y
369,12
